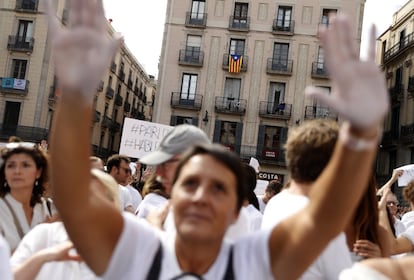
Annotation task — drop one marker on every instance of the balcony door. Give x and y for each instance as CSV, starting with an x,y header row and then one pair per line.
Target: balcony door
x,y
11,116
192,48
197,10
25,33
284,18
188,88
276,96
320,62
19,68
280,56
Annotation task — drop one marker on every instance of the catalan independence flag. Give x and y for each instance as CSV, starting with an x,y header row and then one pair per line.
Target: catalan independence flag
x,y
235,63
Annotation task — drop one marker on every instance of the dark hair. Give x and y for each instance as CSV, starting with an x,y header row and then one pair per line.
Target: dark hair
x,y
366,217
225,157
251,181
41,161
115,161
274,186
151,185
309,148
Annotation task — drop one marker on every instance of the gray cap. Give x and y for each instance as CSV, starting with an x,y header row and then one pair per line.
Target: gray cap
x,y
179,139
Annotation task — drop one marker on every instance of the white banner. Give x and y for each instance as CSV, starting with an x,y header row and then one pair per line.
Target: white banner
x,y
140,137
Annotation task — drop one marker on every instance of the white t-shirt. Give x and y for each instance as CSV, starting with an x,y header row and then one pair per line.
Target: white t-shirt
x,y
124,197
47,235
5,270
138,243
7,225
409,234
399,226
262,205
136,197
150,202
255,218
332,260
240,228
408,219
361,272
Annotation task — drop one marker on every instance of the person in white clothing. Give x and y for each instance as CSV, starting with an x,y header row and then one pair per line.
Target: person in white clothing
x,y
154,197
5,270
22,177
273,188
316,140
46,250
208,186
408,192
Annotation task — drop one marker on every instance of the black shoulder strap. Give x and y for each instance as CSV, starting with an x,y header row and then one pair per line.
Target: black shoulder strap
x,y
229,270
154,272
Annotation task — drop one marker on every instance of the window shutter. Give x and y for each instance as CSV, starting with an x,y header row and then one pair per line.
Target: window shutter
x,y
217,130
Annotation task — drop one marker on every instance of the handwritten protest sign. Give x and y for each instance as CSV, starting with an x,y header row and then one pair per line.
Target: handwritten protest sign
x,y
140,137
407,176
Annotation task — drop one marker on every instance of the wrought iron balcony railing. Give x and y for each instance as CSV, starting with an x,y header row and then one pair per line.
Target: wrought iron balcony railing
x,y
230,105
186,101
275,110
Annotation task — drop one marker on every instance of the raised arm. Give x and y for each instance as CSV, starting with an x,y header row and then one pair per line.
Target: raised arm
x,y
81,54
394,177
360,97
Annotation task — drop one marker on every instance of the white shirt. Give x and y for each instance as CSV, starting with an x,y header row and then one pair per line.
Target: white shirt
x,y
7,225
361,272
262,205
139,242
332,260
124,197
240,228
399,226
408,219
255,218
44,236
136,197
5,270
150,202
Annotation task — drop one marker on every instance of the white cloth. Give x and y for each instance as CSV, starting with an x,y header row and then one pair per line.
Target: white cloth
x,y
262,205
124,197
240,227
408,219
361,272
399,226
5,270
255,218
136,197
332,260
45,236
409,234
7,226
138,243
150,202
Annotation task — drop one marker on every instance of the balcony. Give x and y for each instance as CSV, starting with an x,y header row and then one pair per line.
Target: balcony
x,y
403,45
191,56
390,139
28,133
275,111
396,93
114,127
186,101
283,27
127,106
121,75
196,20
96,117
239,24
407,134
14,86
226,61
109,92
230,105
52,97
100,86
136,91
129,84
319,71
118,100
20,44
113,67
276,66
27,6
316,112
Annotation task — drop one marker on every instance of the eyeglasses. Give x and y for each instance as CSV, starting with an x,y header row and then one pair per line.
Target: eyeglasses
x,y
390,203
14,145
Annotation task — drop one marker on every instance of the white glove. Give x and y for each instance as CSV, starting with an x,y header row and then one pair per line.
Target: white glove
x,y
83,51
360,95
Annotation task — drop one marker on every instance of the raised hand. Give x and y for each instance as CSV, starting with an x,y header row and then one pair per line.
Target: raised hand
x,y
367,249
82,51
360,94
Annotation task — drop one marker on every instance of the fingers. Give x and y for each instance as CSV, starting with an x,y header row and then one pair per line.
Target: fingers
x,y
372,41
322,95
54,24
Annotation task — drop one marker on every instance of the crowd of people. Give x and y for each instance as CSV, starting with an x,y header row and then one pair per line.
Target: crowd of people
x,y
188,210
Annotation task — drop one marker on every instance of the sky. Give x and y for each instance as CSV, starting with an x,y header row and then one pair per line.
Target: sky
x,y
142,25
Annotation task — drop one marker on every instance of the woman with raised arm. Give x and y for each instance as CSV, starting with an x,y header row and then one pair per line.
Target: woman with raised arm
x,y
207,190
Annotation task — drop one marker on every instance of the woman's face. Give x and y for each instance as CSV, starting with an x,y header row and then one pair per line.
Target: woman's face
x,y
21,171
204,199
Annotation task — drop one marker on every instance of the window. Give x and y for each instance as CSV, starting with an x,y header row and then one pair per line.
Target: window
x,y
197,11
192,49
402,39
280,56
110,81
183,120
240,11
25,31
276,93
284,18
189,86
19,68
228,133
325,15
11,116
237,46
320,62
319,110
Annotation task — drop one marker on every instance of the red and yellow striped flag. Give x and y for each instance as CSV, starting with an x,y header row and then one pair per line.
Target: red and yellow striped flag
x,y
235,63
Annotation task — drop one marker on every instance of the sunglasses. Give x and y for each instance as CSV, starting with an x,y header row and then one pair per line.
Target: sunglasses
x,y
14,145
